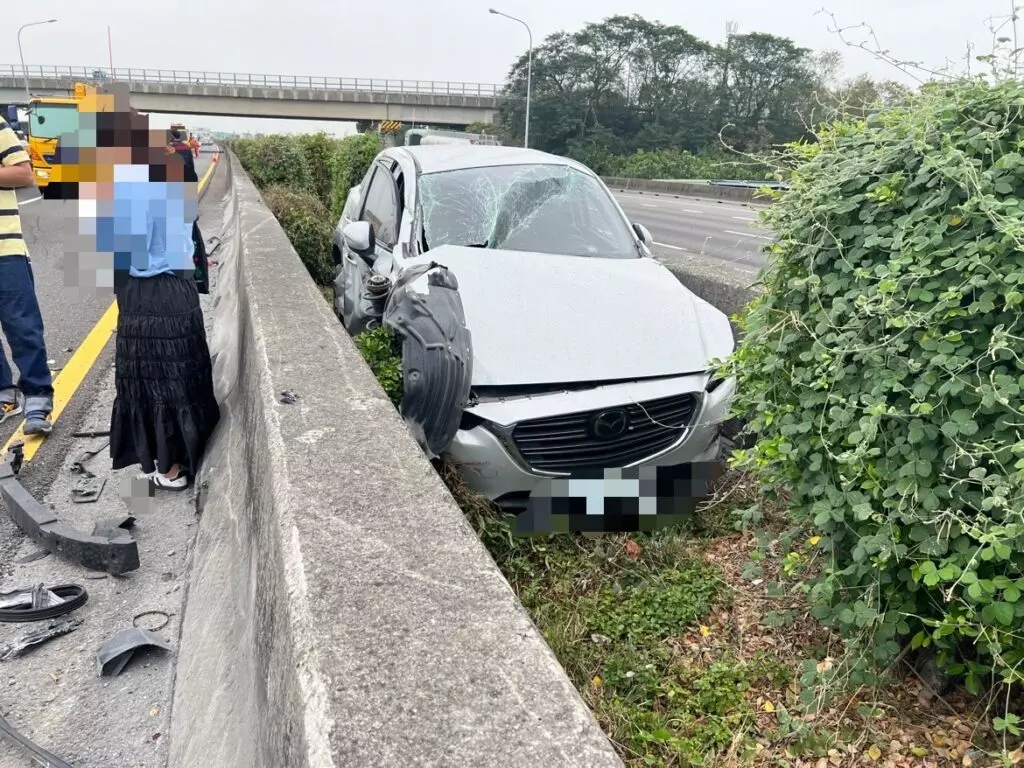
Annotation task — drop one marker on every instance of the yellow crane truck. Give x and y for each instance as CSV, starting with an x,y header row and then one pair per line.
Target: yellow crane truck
x,y
50,118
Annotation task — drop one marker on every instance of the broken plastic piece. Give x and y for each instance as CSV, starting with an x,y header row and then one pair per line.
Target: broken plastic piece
x,y
113,526
288,397
36,637
92,433
78,465
87,489
39,554
39,603
115,654
38,754
115,555
15,456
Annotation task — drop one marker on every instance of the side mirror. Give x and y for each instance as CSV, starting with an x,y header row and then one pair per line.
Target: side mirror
x,y
644,234
360,239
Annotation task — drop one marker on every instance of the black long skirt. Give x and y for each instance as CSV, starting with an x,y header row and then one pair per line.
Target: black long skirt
x,y
165,409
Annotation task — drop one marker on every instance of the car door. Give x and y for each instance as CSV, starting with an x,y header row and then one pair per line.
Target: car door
x,y
380,209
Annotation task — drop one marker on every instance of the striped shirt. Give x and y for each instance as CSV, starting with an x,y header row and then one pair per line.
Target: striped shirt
x,y
12,243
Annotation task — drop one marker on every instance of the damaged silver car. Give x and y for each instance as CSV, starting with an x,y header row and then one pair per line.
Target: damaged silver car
x,y
539,337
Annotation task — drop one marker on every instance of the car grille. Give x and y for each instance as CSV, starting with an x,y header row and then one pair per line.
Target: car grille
x,y
566,443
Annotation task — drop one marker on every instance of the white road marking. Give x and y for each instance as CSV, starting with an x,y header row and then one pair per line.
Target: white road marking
x,y
648,205
745,234
745,218
691,210
673,247
33,200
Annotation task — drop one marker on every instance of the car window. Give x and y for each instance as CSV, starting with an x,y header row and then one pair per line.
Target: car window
x,y
551,209
380,209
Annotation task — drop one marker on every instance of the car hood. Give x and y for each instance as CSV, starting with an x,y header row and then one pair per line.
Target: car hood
x,y
542,319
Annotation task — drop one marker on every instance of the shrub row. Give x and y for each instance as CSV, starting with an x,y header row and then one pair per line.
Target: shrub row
x,y
305,181
670,164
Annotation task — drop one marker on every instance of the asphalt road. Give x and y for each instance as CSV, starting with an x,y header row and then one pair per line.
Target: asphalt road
x,y
69,313
717,231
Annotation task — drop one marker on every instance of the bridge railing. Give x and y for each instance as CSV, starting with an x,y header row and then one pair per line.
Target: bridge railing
x,y
238,79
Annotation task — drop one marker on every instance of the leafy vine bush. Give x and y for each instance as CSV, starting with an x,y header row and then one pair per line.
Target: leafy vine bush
x,y
306,222
884,364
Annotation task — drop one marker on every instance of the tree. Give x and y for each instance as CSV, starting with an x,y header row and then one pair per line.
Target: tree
x,y
629,83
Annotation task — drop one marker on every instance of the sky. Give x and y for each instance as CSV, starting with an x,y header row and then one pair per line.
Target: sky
x,y
454,40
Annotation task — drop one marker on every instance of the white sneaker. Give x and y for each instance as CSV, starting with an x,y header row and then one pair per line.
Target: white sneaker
x,y
180,483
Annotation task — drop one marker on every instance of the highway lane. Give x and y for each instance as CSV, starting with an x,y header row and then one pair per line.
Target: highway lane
x,y
69,314
716,231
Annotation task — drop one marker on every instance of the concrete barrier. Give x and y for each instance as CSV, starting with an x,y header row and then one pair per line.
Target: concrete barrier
x,y
687,189
341,611
726,288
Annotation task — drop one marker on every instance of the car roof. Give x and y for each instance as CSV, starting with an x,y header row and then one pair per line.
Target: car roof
x,y
437,158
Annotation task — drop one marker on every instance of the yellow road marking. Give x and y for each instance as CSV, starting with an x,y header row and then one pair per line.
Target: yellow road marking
x,y
73,374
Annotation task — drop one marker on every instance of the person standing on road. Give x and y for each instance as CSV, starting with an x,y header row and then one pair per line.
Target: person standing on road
x,y
180,146
164,409
20,317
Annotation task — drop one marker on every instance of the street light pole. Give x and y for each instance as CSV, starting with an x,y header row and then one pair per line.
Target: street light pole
x,y
21,53
529,73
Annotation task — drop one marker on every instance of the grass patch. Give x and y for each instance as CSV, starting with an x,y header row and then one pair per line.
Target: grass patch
x,y
691,654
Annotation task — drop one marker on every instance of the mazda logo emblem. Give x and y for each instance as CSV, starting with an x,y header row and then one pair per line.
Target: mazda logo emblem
x,y
608,425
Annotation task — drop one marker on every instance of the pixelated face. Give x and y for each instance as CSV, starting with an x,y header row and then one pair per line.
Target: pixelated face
x,y
123,176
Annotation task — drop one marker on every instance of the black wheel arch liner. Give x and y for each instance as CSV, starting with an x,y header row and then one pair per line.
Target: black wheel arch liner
x,y
437,353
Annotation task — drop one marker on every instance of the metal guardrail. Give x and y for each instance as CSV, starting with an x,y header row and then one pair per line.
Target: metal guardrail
x,y
237,79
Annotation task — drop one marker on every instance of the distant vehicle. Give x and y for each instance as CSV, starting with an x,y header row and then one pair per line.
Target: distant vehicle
x,y
546,339
417,136
51,117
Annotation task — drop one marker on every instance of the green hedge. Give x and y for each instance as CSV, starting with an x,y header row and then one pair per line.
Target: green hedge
x,y
670,164
306,222
349,163
318,148
305,181
271,160
885,364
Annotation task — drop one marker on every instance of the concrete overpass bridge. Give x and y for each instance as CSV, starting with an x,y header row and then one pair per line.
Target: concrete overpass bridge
x,y
278,96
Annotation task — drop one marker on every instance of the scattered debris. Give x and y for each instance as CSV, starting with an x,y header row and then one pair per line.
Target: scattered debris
x,y
31,558
116,555
78,465
288,397
38,754
15,456
26,642
115,654
39,603
87,489
146,614
113,526
92,433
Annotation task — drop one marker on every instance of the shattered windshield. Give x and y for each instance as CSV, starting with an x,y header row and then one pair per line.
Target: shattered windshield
x,y
539,208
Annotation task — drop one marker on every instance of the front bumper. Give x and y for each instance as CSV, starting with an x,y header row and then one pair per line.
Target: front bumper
x,y
492,465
